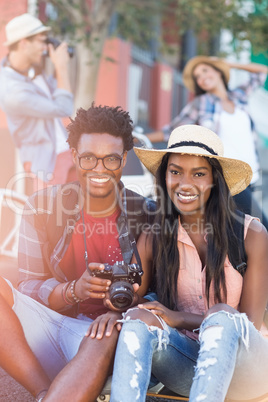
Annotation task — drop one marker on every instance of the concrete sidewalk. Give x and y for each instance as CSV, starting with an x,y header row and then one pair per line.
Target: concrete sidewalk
x,y
11,391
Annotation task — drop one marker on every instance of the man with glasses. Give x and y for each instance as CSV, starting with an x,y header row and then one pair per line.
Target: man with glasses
x,y
35,103
68,232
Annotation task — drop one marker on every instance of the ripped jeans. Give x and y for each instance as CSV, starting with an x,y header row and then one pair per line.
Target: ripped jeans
x,y
168,354
231,359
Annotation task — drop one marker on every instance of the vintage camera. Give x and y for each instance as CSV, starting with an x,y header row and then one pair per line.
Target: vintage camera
x,y
55,42
122,277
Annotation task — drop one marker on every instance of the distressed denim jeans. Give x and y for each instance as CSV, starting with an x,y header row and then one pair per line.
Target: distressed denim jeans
x,y
231,359
168,354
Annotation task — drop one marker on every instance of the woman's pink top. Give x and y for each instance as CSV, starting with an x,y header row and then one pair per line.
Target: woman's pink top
x,y
191,295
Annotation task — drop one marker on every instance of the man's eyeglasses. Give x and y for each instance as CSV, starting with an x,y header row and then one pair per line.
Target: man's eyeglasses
x,y
90,161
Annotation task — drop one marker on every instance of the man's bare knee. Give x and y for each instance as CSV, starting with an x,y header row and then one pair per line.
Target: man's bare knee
x,y
101,351
143,315
104,344
6,292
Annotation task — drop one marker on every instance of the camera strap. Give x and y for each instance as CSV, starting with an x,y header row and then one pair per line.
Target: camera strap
x,y
85,241
127,242
126,239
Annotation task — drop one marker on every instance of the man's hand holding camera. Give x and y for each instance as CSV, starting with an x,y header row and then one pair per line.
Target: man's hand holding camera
x,y
59,56
61,61
125,281
90,286
123,277
96,283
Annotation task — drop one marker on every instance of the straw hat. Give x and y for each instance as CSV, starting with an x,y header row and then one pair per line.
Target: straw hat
x,y
200,141
23,26
187,75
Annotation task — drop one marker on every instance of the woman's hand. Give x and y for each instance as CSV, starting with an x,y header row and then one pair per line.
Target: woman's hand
x,y
172,318
175,319
104,325
90,286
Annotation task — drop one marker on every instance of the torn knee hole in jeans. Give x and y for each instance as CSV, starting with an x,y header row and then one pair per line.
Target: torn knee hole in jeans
x,y
161,321
240,321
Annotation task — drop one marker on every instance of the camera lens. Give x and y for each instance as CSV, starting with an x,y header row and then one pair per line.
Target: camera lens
x,y
121,294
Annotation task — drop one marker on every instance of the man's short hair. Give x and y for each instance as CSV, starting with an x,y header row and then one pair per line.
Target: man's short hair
x,y
101,119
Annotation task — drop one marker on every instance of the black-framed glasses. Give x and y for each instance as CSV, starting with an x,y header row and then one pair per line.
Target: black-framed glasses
x,y
90,161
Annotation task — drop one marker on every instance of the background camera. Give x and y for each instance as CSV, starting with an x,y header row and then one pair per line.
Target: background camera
x,y
55,42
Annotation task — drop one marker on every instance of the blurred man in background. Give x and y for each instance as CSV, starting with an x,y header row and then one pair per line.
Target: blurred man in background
x,y
34,104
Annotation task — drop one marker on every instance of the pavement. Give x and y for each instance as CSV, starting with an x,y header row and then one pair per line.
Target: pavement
x,y
10,390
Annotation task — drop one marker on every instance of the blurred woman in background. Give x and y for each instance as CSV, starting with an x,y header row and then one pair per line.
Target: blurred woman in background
x,y
225,112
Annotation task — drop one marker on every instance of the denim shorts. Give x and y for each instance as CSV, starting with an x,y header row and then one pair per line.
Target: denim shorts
x,y
53,337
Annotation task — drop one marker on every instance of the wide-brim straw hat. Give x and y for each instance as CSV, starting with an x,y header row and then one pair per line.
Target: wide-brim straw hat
x,y
22,27
199,141
187,74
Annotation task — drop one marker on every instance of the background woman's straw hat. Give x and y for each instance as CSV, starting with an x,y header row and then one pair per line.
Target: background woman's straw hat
x,y
192,63
200,141
23,26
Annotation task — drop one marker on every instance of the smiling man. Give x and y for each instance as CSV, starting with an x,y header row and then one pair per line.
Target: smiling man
x,y
67,233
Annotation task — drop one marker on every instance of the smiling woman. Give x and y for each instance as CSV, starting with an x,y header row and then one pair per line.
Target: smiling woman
x,y
224,111
197,287
189,181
